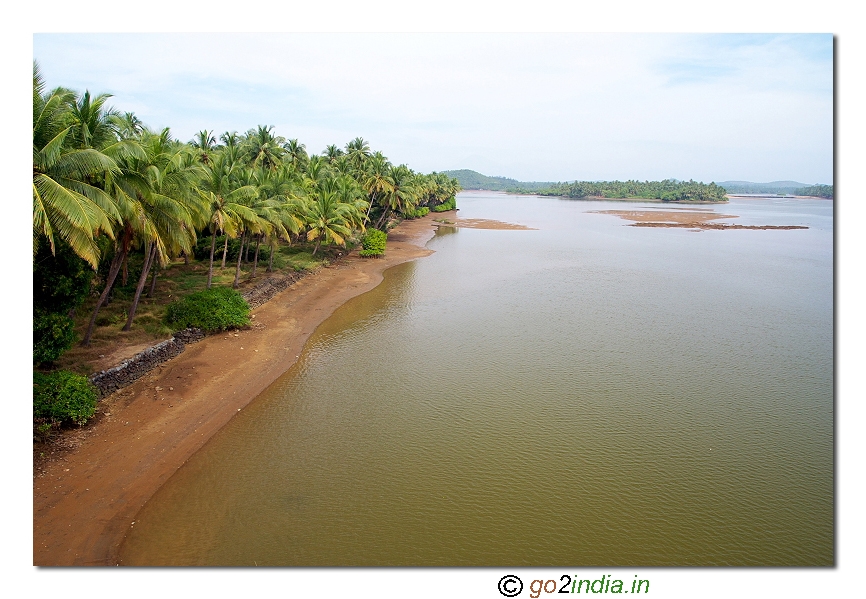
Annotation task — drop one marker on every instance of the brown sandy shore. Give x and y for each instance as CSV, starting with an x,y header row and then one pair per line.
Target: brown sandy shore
x,y
85,502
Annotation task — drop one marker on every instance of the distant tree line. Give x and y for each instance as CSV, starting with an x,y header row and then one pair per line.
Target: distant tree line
x,y
778,188
669,190
818,191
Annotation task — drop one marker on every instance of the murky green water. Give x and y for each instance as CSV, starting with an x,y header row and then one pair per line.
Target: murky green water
x,y
587,393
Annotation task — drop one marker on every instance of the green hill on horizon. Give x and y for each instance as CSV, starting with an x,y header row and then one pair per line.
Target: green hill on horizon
x,y
473,180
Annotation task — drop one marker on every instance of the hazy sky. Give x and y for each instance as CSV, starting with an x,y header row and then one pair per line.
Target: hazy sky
x,y
527,106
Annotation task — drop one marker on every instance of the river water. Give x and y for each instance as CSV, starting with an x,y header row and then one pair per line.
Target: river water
x,y
586,393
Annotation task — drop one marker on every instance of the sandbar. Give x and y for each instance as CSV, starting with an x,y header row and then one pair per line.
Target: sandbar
x,y
691,219
476,223
671,216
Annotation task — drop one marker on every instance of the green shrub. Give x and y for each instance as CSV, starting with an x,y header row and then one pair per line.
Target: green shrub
x,y
62,397
417,212
445,206
216,309
53,334
373,243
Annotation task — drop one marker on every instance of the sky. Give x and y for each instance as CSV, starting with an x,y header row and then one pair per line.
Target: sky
x,y
532,106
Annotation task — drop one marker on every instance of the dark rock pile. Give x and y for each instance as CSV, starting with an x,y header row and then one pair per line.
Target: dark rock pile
x,y
268,288
125,373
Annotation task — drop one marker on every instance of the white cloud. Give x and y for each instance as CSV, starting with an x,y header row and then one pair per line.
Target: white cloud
x,y
532,106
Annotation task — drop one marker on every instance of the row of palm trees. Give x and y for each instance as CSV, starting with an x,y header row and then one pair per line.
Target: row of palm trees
x,y
106,185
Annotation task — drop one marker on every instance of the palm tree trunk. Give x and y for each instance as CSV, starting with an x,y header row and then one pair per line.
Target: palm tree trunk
x,y
210,267
153,282
149,253
271,260
370,207
247,257
125,276
109,282
240,255
225,251
256,259
382,218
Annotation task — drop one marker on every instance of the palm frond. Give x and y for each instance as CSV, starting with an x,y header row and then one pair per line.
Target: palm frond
x,y
80,164
125,149
48,155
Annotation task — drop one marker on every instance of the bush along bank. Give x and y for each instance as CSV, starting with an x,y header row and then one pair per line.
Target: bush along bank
x,y
373,244
215,309
446,206
61,398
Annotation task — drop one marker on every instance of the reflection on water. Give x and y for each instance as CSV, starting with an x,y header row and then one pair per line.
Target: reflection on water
x,y
584,394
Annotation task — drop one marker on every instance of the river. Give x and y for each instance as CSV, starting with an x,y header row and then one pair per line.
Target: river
x,y
583,393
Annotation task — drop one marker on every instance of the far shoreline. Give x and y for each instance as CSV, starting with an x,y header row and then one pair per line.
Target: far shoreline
x,y
598,198
85,502
654,200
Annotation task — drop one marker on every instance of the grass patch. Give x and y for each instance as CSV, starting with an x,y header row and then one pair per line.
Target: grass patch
x,y
299,258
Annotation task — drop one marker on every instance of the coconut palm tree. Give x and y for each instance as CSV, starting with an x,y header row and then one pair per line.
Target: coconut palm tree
x,y
296,154
205,144
269,220
92,121
349,192
232,145
226,199
280,205
402,197
357,152
376,180
332,153
127,125
67,199
317,171
157,211
328,219
265,150
170,208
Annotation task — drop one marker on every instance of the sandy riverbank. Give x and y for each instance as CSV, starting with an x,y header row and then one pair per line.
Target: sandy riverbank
x,y
85,502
